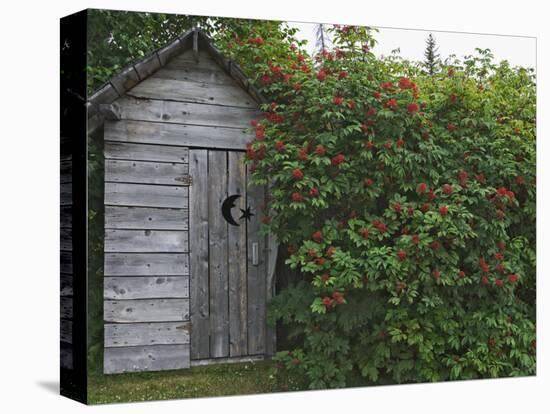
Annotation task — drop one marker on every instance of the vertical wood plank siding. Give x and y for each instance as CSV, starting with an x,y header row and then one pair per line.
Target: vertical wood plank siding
x,y
217,239
198,256
236,265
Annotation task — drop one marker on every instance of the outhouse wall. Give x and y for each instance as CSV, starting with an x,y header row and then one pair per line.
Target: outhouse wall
x,y
155,304
66,259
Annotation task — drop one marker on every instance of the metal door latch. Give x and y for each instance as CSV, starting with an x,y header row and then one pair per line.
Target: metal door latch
x,y
185,179
255,254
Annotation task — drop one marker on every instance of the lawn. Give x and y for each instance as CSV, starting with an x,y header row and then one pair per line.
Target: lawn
x,y
218,380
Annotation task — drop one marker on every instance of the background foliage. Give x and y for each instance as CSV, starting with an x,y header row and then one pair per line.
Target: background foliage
x,y
117,39
405,202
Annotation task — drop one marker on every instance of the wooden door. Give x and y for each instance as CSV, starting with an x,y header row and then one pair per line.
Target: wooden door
x,y
227,258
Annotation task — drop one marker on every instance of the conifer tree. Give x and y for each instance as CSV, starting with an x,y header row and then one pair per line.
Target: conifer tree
x,y
322,39
431,56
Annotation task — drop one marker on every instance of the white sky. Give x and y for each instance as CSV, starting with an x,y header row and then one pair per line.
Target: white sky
x,y
519,51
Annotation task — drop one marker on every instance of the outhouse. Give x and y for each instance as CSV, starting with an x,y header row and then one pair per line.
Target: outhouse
x,y
187,272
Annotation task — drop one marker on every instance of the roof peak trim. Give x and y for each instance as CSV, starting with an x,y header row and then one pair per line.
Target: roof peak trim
x,y
130,76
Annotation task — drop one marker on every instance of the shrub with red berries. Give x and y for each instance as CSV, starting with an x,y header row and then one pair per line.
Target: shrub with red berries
x,y
413,107
296,197
297,174
425,202
338,159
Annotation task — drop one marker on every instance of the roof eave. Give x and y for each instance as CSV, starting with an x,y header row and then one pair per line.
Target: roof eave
x,y
130,76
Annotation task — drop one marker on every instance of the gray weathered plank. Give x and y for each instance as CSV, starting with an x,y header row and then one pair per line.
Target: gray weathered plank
x,y
187,59
66,239
66,262
145,358
140,334
146,264
185,91
66,284
205,70
256,273
146,310
66,194
141,152
196,45
66,217
146,241
168,52
238,75
66,331
214,53
186,113
229,360
198,244
66,307
145,195
169,134
125,80
106,94
110,111
147,66
95,122
191,73
217,226
146,287
255,93
142,172
146,218
236,239
66,355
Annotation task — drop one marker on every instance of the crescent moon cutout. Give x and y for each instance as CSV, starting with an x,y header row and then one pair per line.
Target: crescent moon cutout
x,y
227,205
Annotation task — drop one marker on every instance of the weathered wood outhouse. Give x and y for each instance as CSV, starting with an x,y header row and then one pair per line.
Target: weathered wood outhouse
x,y
187,274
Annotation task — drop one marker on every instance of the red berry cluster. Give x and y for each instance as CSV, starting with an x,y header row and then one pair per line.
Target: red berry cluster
x,y
297,174
364,232
391,104
317,236
412,107
381,227
338,159
402,254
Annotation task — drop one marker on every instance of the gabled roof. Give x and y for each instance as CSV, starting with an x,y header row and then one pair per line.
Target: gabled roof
x,y
193,39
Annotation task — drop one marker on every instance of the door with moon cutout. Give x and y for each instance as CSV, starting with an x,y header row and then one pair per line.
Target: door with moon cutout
x,y
227,257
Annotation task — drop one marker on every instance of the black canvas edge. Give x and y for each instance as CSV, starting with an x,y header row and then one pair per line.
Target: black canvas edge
x,y
73,124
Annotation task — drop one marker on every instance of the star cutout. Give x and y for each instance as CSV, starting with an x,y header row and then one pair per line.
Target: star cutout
x,y
246,214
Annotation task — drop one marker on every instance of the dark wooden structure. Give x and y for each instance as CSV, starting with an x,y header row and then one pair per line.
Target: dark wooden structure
x,y
183,285
66,259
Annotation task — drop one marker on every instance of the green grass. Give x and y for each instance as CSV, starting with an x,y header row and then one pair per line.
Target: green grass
x,y
209,381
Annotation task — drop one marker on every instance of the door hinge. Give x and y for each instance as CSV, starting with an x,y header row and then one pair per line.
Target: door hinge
x,y
185,179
